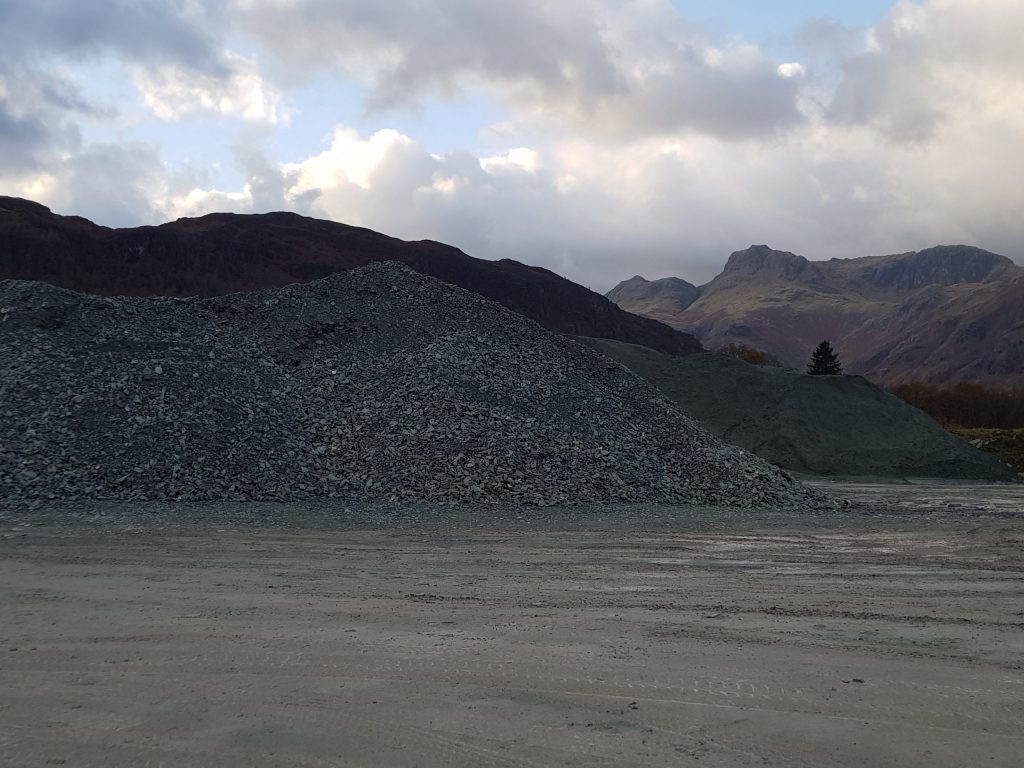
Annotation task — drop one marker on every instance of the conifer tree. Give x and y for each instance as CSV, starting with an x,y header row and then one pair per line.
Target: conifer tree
x,y
824,361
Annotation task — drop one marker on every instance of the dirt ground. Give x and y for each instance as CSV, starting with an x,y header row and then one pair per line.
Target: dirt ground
x,y
892,635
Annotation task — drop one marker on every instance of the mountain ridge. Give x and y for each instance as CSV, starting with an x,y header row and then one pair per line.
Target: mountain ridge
x,y
944,314
224,253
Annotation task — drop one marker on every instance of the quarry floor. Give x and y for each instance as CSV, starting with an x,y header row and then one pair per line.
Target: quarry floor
x,y
890,634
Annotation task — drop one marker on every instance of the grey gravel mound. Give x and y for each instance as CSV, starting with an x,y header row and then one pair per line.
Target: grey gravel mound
x,y
375,384
823,425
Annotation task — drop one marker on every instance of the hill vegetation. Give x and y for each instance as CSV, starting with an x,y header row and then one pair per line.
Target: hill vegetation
x,y
966,405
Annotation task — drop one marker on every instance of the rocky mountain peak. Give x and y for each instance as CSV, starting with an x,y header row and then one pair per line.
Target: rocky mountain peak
x,y
669,291
763,259
941,265
943,314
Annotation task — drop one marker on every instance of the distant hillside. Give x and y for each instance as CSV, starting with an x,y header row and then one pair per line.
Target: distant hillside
x,y
229,253
661,300
826,425
945,314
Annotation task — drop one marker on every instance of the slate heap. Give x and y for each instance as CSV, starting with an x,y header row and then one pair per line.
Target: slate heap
x,y
379,383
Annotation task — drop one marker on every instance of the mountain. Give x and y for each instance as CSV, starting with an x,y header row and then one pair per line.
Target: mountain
x,y
655,298
228,253
941,315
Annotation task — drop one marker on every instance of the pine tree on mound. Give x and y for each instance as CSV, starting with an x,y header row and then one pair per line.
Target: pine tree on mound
x,y
824,361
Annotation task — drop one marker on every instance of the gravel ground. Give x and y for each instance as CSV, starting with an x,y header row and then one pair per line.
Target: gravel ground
x,y
890,632
854,503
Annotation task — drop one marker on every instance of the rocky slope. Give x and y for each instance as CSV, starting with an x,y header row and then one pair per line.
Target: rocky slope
x,y
660,300
823,425
945,314
227,253
375,384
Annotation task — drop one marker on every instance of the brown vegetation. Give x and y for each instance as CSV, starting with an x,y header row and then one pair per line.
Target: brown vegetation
x,y
966,404
748,354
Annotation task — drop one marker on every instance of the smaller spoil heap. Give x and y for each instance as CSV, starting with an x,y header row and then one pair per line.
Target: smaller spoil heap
x,y
375,384
823,425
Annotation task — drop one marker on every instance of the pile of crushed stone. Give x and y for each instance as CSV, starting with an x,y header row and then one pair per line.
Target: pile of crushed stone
x,y
375,384
823,425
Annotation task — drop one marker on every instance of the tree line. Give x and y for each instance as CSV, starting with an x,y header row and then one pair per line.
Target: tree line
x,y
966,404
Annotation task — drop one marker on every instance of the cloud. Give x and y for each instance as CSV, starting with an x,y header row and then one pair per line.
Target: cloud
x,y
173,47
173,92
21,138
155,31
582,208
267,187
517,160
792,69
52,52
926,64
606,68
38,118
631,143
114,184
40,105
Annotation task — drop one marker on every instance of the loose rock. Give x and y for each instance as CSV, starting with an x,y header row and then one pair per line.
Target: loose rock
x,y
375,384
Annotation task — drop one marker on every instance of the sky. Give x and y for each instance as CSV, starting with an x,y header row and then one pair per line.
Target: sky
x,y
598,138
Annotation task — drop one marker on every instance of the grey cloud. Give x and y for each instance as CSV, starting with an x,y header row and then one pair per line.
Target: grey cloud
x,y
416,48
714,102
111,184
21,138
891,92
267,184
41,109
151,31
269,188
36,119
889,85
592,64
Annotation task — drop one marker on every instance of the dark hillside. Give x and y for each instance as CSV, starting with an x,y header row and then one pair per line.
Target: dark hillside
x,y
230,253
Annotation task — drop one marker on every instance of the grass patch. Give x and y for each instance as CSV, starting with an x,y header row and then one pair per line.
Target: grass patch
x,y
1004,444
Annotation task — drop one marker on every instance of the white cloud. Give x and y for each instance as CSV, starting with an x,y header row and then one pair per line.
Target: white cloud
x,y
792,69
172,92
350,160
520,159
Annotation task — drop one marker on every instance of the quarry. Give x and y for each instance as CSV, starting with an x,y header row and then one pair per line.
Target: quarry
x,y
378,520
